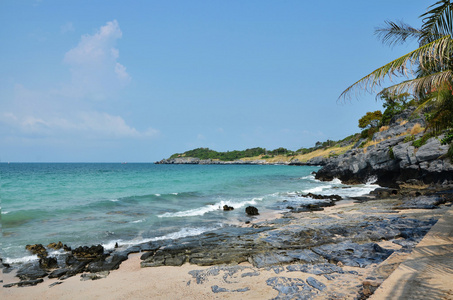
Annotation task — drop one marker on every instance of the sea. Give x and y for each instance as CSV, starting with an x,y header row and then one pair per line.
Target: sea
x,y
131,203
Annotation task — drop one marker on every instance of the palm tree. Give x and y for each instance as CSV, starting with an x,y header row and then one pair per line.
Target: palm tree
x,y
429,68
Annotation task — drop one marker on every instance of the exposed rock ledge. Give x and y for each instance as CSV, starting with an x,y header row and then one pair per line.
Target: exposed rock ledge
x,y
393,161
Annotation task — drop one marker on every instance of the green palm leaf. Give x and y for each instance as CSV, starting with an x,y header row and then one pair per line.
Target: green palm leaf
x,y
397,33
437,52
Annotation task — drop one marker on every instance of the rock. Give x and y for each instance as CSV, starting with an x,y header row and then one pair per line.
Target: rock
x,y
392,160
291,288
316,269
55,246
55,283
58,273
216,289
432,150
352,254
31,271
228,208
88,253
251,211
37,249
76,269
94,276
324,197
111,263
370,286
316,284
24,283
48,263
421,202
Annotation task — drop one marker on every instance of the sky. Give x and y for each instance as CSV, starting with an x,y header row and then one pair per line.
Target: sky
x,y
136,81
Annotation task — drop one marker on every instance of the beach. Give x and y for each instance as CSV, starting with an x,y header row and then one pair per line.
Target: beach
x,y
335,274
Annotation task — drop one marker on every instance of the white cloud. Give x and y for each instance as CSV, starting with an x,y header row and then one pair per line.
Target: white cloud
x,y
88,124
94,65
73,110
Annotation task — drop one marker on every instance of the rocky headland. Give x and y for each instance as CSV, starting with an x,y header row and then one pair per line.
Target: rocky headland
x,y
391,158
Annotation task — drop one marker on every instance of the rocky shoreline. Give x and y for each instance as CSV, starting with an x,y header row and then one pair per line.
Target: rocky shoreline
x,y
327,242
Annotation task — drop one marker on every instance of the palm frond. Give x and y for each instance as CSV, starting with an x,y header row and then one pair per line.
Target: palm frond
x,y
397,33
425,84
437,51
438,21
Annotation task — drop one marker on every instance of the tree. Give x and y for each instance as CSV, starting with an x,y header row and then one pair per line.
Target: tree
x,y
370,119
431,62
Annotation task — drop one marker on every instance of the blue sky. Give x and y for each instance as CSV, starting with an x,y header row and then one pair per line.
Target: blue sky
x,y
136,81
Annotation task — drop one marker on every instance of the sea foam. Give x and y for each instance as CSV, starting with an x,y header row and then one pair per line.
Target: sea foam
x,y
209,208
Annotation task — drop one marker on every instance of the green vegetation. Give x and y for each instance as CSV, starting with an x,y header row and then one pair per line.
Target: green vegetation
x,y
335,148
422,141
391,153
431,90
370,119
206,153
409,138
393,104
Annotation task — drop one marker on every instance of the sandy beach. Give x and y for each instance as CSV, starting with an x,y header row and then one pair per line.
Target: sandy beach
x,y
240,281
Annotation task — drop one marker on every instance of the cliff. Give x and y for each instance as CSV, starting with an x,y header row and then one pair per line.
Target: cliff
x,y
392,159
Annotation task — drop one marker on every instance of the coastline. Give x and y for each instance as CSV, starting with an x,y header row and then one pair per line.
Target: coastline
x,y
250,280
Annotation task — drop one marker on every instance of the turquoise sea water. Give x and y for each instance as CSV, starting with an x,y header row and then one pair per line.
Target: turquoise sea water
x,y
108,203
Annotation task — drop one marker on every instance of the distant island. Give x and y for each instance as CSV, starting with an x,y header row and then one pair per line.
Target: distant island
x,y
260,155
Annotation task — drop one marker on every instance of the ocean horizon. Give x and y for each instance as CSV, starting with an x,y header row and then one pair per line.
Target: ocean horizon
x,y
131,203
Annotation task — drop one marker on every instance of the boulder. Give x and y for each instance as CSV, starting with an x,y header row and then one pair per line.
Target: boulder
x,y
88,253
55,246
228,208
37,249
251,211
48,263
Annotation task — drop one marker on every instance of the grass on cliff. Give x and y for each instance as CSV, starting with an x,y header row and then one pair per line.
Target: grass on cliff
x,y
325,152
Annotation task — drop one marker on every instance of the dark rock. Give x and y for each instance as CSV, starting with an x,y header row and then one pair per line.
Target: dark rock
x,y
79,268
24,283
291,288
228,208
58,273
352,254
316,284
251,211
111,263
55,246
94,276
37,249
66,248
317,269
55,283
31,271
422,202
48,263
216,289
88,253
324,197
71,260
